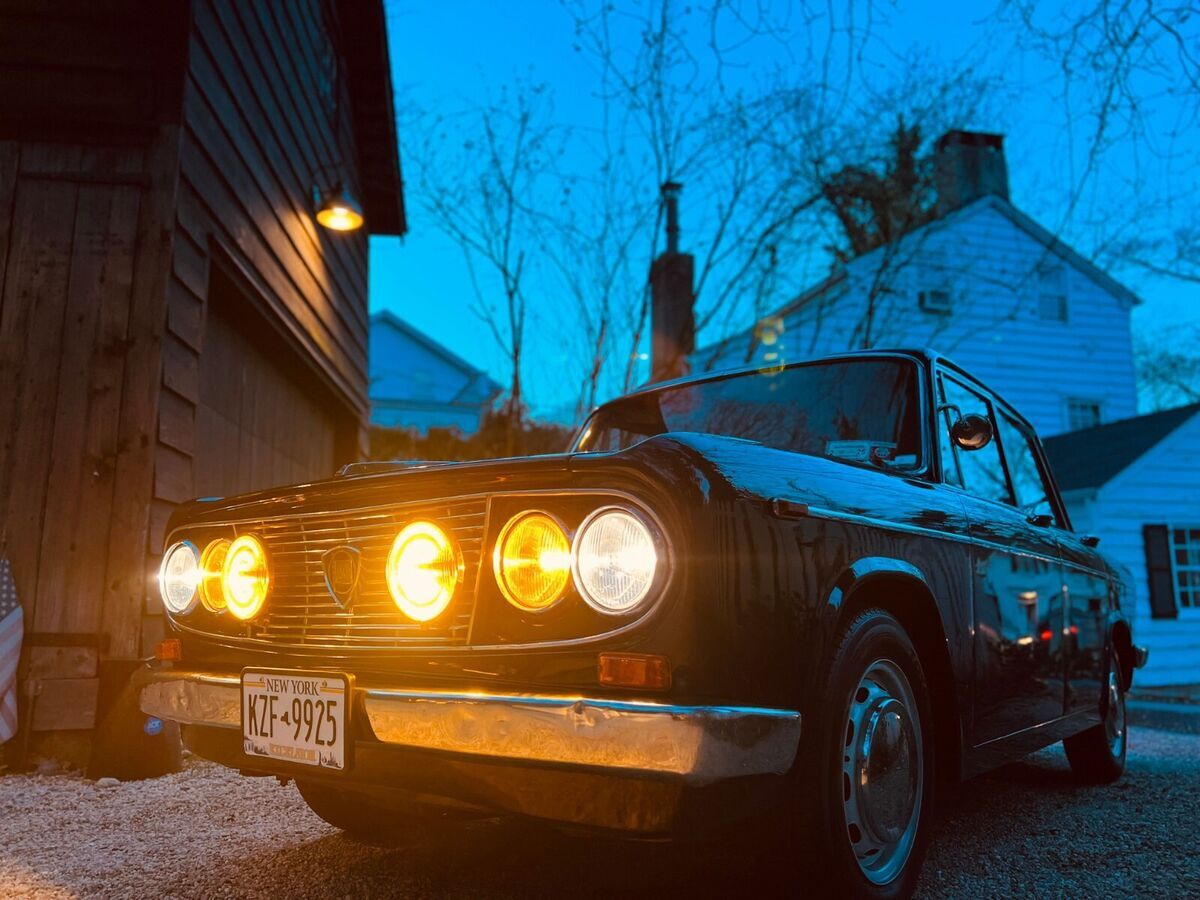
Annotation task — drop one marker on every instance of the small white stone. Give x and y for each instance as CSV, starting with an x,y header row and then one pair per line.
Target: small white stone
x,y
107,782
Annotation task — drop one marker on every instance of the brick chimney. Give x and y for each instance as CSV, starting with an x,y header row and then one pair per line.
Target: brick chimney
x,y
968,165
672,319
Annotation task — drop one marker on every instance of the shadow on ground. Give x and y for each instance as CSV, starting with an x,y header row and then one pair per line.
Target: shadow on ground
x,y
508,858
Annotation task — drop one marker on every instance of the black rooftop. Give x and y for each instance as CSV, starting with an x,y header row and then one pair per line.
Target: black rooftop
x,y
1092,457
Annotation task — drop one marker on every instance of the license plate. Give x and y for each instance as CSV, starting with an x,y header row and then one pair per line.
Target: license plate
x,y
296,717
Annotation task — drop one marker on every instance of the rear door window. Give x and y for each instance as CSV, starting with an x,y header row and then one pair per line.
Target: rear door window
x,y
1028,480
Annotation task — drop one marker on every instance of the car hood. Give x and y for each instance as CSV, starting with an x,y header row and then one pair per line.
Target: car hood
x,y
701,463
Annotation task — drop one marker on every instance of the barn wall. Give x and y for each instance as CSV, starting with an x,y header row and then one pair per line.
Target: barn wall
x,y
257,137
151,155
75,70
84,239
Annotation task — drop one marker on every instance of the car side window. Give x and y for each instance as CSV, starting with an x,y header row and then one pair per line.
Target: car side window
x,y
1029,482
981,472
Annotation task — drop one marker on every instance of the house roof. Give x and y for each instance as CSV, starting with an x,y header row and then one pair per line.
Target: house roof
x,y
479,381
1005,208
1092,457
1039,233
369,82
1055,245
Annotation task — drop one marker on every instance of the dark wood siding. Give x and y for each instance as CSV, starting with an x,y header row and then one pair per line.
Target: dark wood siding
x,y
262,418
258,136
257,139
78,69
173,322
83,243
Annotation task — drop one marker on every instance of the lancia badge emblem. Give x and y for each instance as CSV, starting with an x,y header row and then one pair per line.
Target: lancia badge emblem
x,y
341,565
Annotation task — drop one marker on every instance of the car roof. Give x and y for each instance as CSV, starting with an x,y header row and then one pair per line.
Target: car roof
x,y
715,374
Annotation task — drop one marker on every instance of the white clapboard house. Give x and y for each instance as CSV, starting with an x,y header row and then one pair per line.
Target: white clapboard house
x,y
1001,295
1136,483
419,384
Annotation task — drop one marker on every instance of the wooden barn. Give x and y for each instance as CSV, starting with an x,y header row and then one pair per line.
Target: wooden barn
x,y
174,322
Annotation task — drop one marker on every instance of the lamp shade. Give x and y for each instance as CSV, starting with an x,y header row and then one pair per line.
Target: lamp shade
x,y
338,211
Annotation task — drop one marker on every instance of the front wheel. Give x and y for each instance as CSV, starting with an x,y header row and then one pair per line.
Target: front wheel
x,y
1097,755
363,820
869,761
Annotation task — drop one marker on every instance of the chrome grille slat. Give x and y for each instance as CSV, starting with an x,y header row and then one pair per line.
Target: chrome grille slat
x,y
301,613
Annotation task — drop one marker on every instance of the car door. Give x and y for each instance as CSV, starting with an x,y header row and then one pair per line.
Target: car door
x,y
1017,596
1090,591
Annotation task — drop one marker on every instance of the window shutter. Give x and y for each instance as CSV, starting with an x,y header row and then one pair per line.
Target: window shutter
x,y
1158,572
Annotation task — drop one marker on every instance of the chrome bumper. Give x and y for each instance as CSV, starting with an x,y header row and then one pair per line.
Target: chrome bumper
x,y
699,744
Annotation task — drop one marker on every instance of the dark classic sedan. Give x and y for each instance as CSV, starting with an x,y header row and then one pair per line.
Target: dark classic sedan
x,y
801,595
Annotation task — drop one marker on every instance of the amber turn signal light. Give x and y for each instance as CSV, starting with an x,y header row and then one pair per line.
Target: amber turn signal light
x,y
169,650
635,670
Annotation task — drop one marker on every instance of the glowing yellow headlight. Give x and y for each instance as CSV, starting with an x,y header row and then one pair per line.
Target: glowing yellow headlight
x,y
423,570
532,561
212,566
245,577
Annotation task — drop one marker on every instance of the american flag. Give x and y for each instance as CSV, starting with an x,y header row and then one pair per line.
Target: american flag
x,y
12,622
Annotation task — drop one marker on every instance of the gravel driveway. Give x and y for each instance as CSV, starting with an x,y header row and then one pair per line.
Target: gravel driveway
x,y
1025,830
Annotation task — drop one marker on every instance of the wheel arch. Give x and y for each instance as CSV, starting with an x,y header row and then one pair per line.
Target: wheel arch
x,y
902,590
1121,638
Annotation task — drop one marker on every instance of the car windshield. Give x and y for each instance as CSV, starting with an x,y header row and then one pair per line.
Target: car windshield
x,y
862,411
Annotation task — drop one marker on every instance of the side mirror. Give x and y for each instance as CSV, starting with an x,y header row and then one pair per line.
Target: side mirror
x,y
1091,540
972,431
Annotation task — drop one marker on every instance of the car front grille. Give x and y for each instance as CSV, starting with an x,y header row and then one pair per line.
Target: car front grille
x,y
301,612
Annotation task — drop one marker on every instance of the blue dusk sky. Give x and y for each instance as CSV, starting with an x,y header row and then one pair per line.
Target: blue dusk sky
x,y
458,54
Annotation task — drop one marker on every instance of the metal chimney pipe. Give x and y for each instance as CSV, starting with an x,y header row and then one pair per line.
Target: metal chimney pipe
x,y
670,196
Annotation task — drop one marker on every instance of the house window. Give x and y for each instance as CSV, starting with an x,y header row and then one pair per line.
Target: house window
x,y
1052,307
934,301
1082,413
1185,564
1052,293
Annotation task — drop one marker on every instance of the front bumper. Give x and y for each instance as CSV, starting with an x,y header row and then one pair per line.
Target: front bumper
x,y
697,745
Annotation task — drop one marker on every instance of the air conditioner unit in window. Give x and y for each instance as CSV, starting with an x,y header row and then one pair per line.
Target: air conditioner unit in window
x,y
934,301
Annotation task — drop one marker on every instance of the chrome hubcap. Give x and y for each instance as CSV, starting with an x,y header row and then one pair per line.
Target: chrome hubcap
x,y
883,771
1114,718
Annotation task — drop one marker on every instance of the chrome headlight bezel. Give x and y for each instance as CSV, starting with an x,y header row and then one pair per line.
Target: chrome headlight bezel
x,y
498,574
655,543
167,556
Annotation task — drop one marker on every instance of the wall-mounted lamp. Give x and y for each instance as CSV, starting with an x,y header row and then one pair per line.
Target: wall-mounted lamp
x,y
337,210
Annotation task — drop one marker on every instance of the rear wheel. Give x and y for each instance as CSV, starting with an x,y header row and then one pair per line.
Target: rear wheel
x,y
868,764
1098,754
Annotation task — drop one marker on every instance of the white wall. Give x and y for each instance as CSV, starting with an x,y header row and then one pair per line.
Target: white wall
x,y
990,266
1160,488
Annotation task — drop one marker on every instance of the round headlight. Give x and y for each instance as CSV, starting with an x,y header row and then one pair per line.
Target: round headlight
x,y
245,577
212,565
179,577
532,561
423,570
615,560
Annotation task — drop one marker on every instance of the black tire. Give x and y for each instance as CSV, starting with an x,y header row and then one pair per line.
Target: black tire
x,y
363,820
1097,756
874,681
